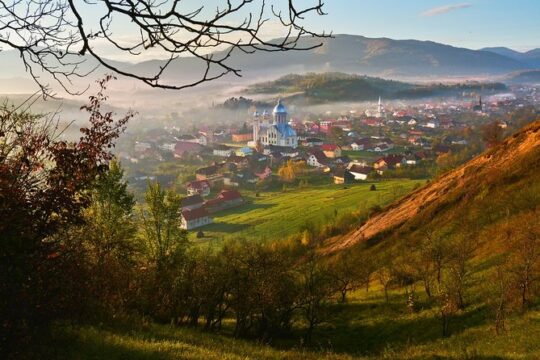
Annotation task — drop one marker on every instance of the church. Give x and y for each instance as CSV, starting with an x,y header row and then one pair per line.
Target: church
x,y
276,133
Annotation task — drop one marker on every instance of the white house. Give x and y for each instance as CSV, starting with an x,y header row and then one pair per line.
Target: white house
x,y
222,150
317,159
192,219
359,172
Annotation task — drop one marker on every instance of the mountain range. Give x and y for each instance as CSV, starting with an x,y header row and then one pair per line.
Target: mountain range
x,y
531,57
388,58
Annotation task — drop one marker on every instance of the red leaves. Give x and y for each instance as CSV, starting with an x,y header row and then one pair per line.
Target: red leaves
x,y
43,180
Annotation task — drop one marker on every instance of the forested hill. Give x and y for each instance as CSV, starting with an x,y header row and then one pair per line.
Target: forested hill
x,y
328,87
501,185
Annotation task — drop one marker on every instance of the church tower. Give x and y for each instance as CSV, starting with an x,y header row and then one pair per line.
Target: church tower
x,y
280,113
380,109
256,126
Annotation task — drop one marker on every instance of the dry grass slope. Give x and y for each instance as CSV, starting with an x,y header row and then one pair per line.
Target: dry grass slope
x,y
517,157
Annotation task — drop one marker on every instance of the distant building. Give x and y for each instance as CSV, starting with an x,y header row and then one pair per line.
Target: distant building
x,y
331,150
192,219
222,150
343,176
198,187
242,137
317,158
359,172
183,148
191,202
225,200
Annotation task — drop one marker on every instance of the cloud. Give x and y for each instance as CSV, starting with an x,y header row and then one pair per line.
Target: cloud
x,y
445,9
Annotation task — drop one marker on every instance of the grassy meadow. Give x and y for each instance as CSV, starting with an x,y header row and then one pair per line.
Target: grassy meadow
x,y
366,327
279,214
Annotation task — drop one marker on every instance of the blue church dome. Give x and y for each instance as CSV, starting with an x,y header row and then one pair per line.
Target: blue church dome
x,y
280,108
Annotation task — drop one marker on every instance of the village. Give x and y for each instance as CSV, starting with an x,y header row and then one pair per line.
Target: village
x,y
274,149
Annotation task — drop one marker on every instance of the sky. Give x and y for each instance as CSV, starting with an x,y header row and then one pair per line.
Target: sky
x,y
472,24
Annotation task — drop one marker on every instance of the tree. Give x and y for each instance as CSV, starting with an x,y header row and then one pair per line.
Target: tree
x,y
492,134
44,186
344,270
524,261
54,39
109,232
161,225
291,170
316,289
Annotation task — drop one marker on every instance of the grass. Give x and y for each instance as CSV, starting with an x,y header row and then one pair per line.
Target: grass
x,y
364,328
277,215
161,342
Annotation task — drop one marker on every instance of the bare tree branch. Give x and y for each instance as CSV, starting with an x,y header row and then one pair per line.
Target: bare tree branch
x,y
55,38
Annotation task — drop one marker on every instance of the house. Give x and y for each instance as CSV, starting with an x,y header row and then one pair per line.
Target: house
x,y
432,124
331,150
342,160
317,159
372,121
242,137
211,173
200,187
343,176
359,172
286,151
222,150
183,148
379,148
203,139
389,162
192,219
361,144
225,200
247,177
239,161
311,141
188,138
412,159
191,202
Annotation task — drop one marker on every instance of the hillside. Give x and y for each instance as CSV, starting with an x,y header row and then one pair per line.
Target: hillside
x,y
327,87
524,77
489,180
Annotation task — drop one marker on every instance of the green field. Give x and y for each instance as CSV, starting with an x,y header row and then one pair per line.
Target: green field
x,y
277,215
365,328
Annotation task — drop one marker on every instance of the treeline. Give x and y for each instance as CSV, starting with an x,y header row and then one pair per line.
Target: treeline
x,y
332,86
139,261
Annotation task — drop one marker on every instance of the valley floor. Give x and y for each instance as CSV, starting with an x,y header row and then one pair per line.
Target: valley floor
x,y
278,214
